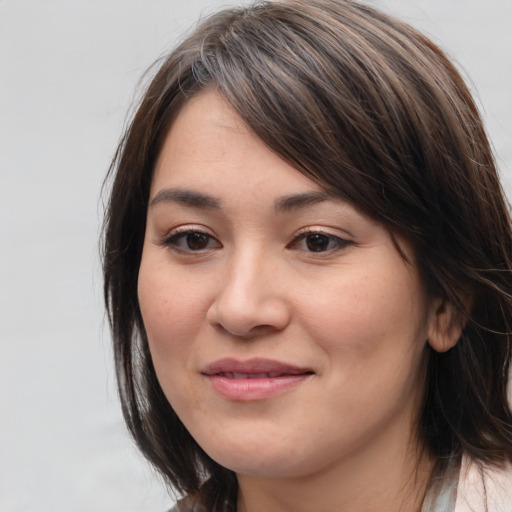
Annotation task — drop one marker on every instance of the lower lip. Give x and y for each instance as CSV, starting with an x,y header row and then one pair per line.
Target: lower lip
x,y
245,390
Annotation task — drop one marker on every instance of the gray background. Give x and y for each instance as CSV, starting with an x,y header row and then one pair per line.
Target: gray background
x,y
68,72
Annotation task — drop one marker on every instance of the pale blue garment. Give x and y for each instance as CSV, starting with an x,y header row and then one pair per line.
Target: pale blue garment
x,y
442,493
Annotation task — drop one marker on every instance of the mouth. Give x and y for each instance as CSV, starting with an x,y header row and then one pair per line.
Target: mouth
x,y
255,379
266,375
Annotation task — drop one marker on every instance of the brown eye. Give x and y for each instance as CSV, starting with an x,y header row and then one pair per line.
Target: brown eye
x,y
191,241
318,242
197,241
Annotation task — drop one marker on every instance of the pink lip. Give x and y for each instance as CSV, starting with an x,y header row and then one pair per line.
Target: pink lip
x,y
255,379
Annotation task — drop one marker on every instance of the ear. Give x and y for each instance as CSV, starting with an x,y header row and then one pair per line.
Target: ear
x,y
446,324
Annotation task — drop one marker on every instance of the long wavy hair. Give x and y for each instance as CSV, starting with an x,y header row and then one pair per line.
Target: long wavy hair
x,y
375,112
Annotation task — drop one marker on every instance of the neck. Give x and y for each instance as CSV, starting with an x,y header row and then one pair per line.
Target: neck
x,y
393,481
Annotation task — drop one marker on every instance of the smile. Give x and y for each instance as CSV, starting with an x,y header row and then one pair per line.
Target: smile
x,y
257,379
239,376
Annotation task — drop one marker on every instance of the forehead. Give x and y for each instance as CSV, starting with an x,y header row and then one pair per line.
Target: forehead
x,y
210,146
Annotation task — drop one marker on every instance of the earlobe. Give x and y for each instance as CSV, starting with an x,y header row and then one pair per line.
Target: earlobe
x,y
445,326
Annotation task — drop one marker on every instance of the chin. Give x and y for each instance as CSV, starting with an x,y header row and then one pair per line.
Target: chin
x,y
253,453
260,456
265,465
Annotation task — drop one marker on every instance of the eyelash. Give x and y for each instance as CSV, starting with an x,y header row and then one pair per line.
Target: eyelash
x,y
322,236
173,240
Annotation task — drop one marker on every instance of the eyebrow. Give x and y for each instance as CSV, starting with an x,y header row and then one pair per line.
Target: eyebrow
x,y
202,201
298,201
186,197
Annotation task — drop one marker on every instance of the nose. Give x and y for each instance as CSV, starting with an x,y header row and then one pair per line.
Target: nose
x,y
249,301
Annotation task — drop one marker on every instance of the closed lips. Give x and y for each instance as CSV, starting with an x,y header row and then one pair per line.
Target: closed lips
x,y
253,369
265,375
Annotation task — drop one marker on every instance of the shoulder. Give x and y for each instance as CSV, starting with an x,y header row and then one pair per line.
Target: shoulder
x,y
484,488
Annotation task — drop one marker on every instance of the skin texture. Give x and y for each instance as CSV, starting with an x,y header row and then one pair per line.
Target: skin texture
x,y
354,314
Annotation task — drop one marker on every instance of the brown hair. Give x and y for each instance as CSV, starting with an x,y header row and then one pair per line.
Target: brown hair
x,y
375,112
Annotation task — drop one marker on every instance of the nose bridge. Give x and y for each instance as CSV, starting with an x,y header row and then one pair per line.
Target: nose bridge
x,y
248,298
245,287
246,271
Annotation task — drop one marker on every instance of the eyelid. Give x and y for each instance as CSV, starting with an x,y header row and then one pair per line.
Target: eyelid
x,y
184,228
343,240
324,230
165,239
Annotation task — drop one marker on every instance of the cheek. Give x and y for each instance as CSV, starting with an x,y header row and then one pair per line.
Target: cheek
x,y
372,334
369,319
170,312
172,319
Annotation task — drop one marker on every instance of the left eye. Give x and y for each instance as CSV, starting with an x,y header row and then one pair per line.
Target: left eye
x,y
192,241
319,242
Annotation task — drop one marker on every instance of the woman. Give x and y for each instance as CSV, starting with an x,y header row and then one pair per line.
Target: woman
x,y
307,269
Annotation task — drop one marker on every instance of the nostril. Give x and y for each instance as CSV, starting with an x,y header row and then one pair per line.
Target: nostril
x,y
249,320
243,332
247,304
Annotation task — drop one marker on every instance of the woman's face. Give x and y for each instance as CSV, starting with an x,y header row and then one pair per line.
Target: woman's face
x,y
285,329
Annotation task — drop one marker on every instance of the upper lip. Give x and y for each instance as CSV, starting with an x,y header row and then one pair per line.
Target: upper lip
x,y
256,365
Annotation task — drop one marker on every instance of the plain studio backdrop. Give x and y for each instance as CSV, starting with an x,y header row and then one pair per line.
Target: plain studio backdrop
x,y
68,75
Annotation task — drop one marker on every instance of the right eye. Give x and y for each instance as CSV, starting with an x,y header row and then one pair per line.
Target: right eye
x,y
191,241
